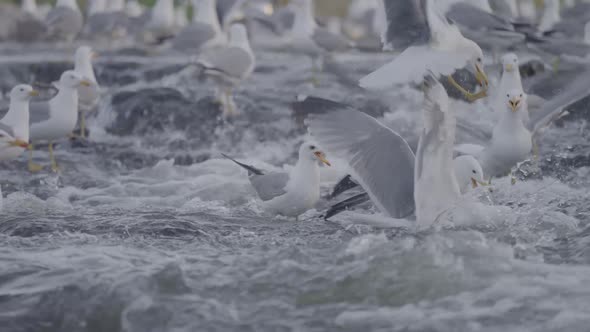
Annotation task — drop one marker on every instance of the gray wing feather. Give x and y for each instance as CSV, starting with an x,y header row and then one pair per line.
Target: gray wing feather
x,y
39,112
231,61
269,186
407,24
380,160
193,37
570,94
8,129
474,18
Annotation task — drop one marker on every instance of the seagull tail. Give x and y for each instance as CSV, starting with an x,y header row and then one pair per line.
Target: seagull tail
x,y
251,169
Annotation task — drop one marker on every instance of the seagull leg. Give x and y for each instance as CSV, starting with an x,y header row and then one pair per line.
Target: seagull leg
x,y
470,96
82,122
54,167
314,73
228,110
33,168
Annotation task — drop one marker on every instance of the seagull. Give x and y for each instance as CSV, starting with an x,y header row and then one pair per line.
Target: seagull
x,y
65,20
305,37
15,123
56,118
203,32
430,43
511,141
133,8
467,170
105,21
87,95
398,183
229,65
290,194
161,24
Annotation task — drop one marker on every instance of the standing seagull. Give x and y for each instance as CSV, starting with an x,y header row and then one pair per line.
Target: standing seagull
x,y
16,121
161,22
511,141
56,118
229,65
65,20
290,194
88,95
430,43
306,37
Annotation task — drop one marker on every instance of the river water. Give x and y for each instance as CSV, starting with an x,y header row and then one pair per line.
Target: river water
x,y
147,228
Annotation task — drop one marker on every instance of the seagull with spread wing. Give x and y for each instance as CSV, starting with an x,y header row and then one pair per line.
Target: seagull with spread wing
x,y
430,43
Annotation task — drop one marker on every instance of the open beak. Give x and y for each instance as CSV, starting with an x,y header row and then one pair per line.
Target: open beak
x,y
475,183
322,157
481,76
34,93
20,143
514,103
509,68
85,83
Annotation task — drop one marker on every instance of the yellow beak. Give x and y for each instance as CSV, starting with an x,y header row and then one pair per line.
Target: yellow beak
x,y
481,76
85,83
322,157
34,93
475,183
514,104
19,143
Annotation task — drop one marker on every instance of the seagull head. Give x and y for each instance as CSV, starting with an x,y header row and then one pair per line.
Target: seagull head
x,y
22,92
476,63
468,172
311,151
85,53
71,79
7,140
515,100
510,62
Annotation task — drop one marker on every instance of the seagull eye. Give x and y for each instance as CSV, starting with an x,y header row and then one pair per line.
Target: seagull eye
x,y
478,59
474,172
521,94
508,95
312,147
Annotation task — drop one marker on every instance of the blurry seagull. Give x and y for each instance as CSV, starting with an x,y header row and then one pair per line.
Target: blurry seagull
x,y
228,65
160,25
429,42
106,23
56,118
294,193
306,37
203,32
88,95
65,20
15,122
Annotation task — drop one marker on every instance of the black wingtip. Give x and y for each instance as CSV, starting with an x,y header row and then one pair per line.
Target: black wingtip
x,y
251,169
346,205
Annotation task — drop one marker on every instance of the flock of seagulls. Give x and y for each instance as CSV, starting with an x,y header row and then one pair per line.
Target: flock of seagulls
x,y
429,40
